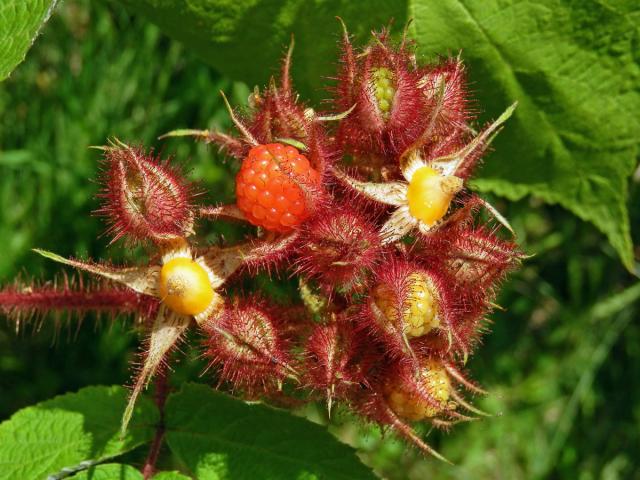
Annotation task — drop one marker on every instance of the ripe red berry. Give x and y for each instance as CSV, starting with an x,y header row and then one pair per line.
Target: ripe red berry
x,y
274,185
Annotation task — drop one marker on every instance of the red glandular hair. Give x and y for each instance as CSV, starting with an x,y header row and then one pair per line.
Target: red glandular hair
x,y
399,105
444,87
393,300
144,197
384,323
475,259
399,393
72,296
336,359
339,249
247,347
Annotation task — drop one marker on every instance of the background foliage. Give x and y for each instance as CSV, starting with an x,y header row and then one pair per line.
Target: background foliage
x,y
561,361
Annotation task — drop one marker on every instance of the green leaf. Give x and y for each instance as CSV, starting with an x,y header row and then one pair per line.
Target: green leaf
x,y
170,476
218,437
246,40
43,439
575,71
20,22
572,66
112,471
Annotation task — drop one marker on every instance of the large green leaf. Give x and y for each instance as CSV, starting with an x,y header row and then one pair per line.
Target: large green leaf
x,y
573,66
218,437
116,471
110,471
43,439
246,39
20,21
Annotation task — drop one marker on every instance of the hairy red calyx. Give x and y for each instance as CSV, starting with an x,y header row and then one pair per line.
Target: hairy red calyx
x,y
408,304
246,346
339,250
426,396
144,198
400,106
337,359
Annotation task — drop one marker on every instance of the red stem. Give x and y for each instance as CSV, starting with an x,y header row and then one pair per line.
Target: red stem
x,y
160,398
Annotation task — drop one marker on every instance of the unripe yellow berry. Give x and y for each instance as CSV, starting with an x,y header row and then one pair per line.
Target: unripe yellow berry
x,y
419,310
185,286
435,381
430,194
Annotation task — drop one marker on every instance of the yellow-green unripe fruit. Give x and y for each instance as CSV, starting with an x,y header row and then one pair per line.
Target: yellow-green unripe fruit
x,y
433,378
419,310
384,89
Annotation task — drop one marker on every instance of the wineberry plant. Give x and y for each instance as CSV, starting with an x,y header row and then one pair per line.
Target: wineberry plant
x,y
365,205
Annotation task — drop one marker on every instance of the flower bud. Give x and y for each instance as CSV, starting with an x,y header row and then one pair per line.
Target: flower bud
x,y
399,106
474,256
334,364
246,347
144,198
339,249
444,88
383,85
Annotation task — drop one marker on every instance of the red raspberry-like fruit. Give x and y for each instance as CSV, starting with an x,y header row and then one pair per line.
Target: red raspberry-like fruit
x,y
270,186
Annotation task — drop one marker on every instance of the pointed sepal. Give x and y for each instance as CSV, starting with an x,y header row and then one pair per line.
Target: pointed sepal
x,y
140,279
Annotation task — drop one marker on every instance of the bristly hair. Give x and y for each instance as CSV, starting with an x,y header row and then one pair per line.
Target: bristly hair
x,y
29,302
337,358
144,197
339,249
245,345
390,306
400,106
393,297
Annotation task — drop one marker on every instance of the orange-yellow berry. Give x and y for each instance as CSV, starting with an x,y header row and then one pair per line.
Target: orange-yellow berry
x,y
434,380
270,186
430,194
185,286
419,310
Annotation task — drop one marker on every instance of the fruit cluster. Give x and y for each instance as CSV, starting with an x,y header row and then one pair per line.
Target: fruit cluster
x,y
365,204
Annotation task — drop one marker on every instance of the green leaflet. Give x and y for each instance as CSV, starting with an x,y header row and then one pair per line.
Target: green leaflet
x,y
43,439
170,476
113,471
572,67
213,435
217,437
20,21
